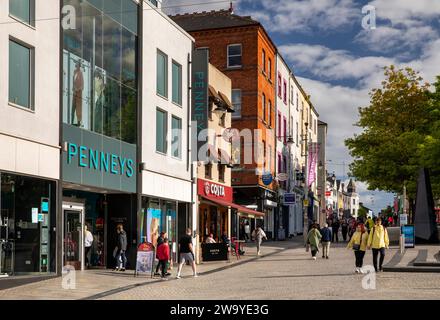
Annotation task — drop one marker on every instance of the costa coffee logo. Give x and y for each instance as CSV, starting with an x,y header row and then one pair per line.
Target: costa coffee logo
x,y
214,189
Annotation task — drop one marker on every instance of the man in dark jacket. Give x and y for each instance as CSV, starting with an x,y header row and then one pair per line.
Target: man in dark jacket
x,y
326,240
121,259
335,230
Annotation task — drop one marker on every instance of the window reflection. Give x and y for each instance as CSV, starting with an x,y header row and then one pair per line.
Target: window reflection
x,y
99,68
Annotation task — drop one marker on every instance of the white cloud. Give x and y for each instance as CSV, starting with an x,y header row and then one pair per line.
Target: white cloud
x,y
402,25
305,15
328,64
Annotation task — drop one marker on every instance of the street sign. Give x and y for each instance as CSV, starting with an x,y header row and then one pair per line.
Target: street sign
x,y
289,198
267,178
328,193
306,202
403,219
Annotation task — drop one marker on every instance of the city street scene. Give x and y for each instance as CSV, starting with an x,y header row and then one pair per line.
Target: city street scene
x,y
219,150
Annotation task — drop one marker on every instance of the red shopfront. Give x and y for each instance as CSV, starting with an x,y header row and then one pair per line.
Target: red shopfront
x,y
215,201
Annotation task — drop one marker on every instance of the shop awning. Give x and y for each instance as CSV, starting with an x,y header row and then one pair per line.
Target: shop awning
x,y
228,103
239,208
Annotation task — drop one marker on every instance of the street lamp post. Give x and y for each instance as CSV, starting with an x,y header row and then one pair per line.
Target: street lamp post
x,y
306,185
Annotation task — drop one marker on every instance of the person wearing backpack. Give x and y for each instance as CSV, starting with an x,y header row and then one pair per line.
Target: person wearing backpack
x,y
378,241
358,243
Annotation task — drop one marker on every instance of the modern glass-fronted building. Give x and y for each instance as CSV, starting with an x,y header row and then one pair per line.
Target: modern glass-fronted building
x,y
99,128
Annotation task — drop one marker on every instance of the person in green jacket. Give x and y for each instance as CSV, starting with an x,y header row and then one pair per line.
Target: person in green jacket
x,y
313,238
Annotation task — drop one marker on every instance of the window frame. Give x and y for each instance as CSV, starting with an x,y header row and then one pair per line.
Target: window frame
x,y
32,13
235,115
279,85
180,146
229,56
165,131
263,106
31,97
180,67
160,52
263,58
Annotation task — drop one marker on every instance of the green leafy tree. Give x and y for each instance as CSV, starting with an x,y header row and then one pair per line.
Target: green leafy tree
x,y
395,124
429,149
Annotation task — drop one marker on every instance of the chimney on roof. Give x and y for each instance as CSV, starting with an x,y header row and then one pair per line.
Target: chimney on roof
x,y
231,8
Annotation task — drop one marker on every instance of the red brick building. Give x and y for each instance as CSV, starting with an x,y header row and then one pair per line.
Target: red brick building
x,y
241,48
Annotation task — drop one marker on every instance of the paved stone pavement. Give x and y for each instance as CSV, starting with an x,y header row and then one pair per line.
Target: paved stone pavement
x,y
285,271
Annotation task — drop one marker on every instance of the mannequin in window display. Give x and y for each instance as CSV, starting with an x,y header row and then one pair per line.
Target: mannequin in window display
x,y
99,86
77,98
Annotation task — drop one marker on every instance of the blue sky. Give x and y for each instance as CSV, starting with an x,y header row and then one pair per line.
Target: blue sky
x,y
337,61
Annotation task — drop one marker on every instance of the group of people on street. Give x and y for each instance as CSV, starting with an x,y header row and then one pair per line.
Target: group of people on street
x,y
369,235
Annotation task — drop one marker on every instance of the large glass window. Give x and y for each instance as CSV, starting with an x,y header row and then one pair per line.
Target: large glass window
x,y
161,131
100,61
20,75
177,83
23,10
176,140
27,224
162,74
236,102
234,55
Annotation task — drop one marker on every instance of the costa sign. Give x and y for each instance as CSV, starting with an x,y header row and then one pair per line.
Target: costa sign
x,y
213,190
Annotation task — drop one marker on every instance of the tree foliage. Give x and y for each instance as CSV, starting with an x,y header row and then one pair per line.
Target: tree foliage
x,y
401,133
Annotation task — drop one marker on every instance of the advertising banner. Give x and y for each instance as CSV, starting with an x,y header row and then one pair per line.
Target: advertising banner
x,y
409,235
313,160
145,258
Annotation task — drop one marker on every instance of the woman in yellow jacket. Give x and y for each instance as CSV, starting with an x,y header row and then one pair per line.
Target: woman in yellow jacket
x,y
358,242
378,241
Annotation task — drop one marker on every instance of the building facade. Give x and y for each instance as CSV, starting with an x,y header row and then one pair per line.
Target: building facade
x,y
99,139
322,171
29,137
240,48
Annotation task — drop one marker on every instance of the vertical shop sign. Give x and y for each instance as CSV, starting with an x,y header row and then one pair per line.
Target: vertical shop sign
x,y
200,95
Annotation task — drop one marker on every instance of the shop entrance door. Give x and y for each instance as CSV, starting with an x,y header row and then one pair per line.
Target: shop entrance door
x,y
73,248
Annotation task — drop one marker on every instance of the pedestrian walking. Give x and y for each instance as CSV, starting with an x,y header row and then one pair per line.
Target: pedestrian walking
x,y
358,243
335,230
369,224
259,235
326,239
160,241
344,229
313,239
186,253
163,254
121,259
378,241
88,241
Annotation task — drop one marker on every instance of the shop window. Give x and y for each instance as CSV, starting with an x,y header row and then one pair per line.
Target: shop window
x,y
99,68
21,70
23,10
28,212
234,55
